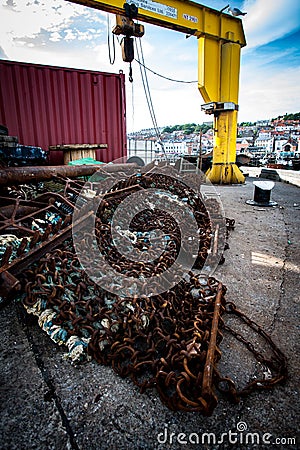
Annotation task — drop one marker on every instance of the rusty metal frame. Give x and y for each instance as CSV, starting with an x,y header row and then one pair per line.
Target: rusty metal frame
x,y
213,353
9,221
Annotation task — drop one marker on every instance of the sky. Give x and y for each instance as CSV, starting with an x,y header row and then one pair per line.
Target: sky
x,y
61,33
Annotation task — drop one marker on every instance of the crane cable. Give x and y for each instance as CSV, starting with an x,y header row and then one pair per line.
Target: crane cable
x,y
162,76
148,96
112,59
147,89
132,105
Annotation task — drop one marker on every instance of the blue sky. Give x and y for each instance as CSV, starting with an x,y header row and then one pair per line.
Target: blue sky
x,y
57,32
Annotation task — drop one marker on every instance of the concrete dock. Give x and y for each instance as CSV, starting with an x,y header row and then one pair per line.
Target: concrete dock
x,y
46,403
286,176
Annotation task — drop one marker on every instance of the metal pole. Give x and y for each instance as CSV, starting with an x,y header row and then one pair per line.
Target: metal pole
x,y
20,175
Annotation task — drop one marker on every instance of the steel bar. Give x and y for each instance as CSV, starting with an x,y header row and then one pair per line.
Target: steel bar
x,y
22,175
207,383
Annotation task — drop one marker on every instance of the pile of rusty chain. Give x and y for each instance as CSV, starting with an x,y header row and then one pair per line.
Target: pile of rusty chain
x,y
170,340
160,341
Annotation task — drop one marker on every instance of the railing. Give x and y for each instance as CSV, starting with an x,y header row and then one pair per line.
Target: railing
x,y
142,149
147,151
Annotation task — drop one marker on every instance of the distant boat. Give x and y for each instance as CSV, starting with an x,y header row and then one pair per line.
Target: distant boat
x,y
242,159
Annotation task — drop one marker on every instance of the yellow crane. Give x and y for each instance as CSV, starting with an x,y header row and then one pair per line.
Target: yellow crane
x,y
220,39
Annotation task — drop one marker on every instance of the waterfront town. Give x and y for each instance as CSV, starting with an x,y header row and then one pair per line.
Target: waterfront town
x,y
265,141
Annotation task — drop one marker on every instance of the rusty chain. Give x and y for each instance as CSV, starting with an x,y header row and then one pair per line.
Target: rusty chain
x,y
277,363
159,341
169,341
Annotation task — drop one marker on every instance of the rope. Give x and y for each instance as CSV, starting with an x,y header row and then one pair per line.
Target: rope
x,y
112,59
148,96
162,76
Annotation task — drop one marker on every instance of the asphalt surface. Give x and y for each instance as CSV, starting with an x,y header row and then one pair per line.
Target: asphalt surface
x,y
46,403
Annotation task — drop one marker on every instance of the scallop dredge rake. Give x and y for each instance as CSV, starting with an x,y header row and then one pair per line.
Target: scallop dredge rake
x,y
169,340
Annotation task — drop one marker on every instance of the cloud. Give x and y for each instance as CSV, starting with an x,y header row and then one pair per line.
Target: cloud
x,y
35,22
173,106
266,92
270,55
267,21
9,4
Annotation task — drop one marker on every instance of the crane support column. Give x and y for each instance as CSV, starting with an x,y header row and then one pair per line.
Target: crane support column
x,y
224,170
218,82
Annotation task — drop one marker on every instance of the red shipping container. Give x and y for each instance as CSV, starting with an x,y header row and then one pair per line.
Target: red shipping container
x,y
48,106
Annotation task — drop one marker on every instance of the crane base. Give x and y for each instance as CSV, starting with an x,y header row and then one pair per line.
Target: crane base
x,y
225,174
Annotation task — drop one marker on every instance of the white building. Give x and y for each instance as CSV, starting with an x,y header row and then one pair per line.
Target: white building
x,y
285,128
174,148
265,143
242,144
279,145
264,134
